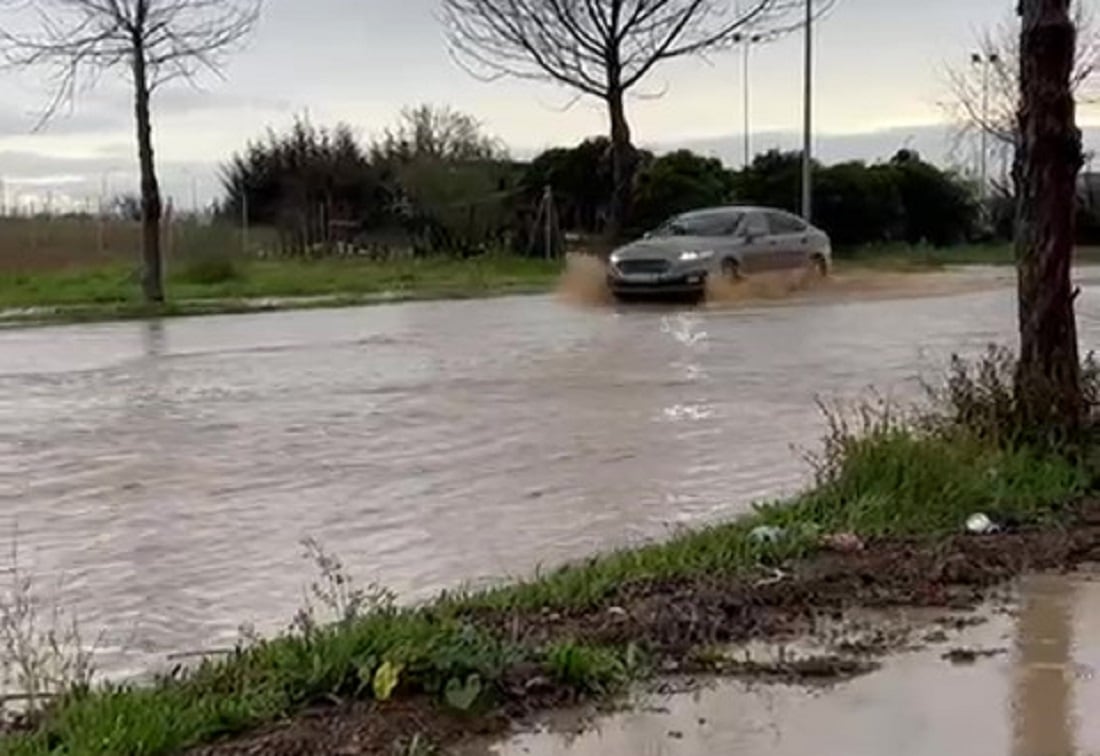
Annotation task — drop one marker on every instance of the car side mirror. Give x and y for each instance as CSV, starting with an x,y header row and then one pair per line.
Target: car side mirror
x,y
647,235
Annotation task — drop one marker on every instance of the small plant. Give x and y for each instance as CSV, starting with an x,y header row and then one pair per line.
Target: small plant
x,y
587,669
42,654
336,592
980,399
210,269
386,679
462,694
417,745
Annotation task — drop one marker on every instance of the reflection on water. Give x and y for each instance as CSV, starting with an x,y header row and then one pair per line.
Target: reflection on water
x,y
1043,678
1034,702
169,470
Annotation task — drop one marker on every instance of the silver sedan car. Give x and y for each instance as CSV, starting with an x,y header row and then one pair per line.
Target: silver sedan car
x,y
679,257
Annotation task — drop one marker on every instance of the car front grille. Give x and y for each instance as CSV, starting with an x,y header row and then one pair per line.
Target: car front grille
x,y
628,267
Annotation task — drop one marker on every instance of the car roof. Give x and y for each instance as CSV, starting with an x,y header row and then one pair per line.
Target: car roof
x,y
738,208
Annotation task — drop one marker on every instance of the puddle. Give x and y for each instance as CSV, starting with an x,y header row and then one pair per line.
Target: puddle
x,y
1020,683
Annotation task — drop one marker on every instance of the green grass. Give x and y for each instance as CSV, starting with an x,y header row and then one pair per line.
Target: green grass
x,y
112,290
903,257
878,475
893,482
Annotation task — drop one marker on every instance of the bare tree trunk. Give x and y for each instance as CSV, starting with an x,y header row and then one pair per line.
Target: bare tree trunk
x,y
623,163
1047,161
152,273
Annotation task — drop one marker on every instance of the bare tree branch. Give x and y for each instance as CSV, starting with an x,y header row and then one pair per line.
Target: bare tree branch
x,y
598,45
999,49
154,41
606,48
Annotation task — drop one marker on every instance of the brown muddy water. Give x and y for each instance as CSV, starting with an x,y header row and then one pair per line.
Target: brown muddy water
x,y
1023,682
164,473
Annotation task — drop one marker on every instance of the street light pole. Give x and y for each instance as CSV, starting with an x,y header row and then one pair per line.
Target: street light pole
x,y
807,136
986,62
745,86
749,41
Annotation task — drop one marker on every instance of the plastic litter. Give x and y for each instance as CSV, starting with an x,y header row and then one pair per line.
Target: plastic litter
x,y
767,534
980,524
846,543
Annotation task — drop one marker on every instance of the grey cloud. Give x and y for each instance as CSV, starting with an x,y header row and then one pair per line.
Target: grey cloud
x,y
81,179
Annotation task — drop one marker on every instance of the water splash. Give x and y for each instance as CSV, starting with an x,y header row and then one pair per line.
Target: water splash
x,y
685,329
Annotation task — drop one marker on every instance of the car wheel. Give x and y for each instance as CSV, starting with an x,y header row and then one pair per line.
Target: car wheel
x,y
819,267
731,270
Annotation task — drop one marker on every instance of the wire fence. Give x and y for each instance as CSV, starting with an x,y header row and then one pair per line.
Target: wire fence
x,y
491,222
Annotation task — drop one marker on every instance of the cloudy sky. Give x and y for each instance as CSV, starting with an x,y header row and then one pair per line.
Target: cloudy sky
x,y
880,75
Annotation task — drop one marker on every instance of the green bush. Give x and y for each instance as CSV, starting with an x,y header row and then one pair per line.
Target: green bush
x,y
210,269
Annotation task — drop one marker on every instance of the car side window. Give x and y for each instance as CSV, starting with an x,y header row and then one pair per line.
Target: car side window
x,y
781,223
710,223
755,225
726,224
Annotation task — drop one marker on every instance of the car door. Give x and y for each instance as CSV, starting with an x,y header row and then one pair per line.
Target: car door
x,y
726,234
789,240
756,247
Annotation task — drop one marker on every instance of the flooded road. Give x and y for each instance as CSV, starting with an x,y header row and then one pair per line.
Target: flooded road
x,y
169,470
1035,694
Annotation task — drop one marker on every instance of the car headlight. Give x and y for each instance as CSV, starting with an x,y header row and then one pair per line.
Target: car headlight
x,y
696,255
616,257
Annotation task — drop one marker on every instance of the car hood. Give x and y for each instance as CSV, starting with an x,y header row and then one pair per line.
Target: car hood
x,y
665,248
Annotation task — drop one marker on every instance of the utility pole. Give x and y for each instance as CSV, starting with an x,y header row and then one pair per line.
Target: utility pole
x,y
548,229
749,41
244,222
808,116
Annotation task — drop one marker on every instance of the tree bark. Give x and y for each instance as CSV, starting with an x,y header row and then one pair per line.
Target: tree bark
x,y
623,164
1047,162
152,271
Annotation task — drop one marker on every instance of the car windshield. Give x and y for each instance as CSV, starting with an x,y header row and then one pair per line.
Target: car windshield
x,y
711,223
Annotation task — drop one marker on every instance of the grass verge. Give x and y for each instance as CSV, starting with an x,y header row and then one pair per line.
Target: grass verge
x,y
204,286
917,258
904,485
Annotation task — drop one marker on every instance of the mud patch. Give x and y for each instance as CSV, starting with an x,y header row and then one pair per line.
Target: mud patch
x,y
362,728
962,656
806,670
674,619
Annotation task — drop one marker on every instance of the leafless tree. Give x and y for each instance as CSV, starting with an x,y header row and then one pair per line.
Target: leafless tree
x,y
1048,159
438,132
975,109
604,48
156,41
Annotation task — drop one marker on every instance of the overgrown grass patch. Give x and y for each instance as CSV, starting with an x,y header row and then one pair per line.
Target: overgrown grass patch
x,y
203,277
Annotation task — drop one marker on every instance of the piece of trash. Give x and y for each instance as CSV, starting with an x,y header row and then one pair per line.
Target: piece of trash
x,y
964,656
617,611
980,524
766,534
775,576
846,543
